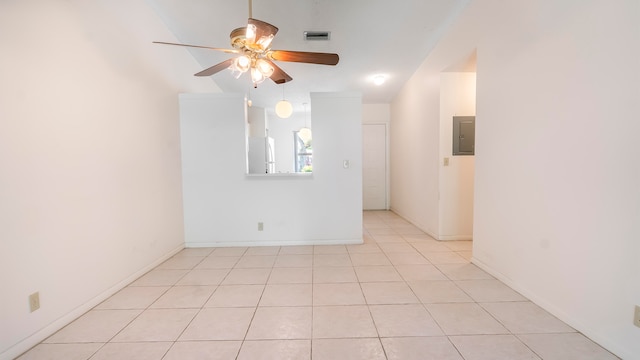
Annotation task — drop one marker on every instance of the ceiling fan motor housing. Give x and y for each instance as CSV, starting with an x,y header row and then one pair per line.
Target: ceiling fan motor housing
x,y
238,37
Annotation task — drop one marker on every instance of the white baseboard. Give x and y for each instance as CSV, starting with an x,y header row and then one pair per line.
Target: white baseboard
x,y
33,340
415,223
455,237
274,243
553,310
431,233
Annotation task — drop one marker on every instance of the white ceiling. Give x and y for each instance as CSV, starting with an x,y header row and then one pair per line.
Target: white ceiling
x,y
390,37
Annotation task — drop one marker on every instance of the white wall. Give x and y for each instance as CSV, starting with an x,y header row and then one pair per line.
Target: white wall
x,y
376,113
557,170
223,205
457,98
90,192
414,152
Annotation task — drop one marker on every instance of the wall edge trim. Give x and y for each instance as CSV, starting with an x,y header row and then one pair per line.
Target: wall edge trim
x,y
274,243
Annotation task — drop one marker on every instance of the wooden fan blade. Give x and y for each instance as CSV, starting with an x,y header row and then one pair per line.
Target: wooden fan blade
x,y
279,76
230,51
304,57
263,29
215,68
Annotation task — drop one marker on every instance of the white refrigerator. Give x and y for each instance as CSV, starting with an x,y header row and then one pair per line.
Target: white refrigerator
x,y
261,155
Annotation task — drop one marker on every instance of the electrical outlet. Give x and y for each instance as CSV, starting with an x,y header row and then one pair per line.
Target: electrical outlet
x,y
260,226
34,301
636,317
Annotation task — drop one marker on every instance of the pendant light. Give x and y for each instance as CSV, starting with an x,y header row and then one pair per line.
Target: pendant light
x,y
305,132
283,107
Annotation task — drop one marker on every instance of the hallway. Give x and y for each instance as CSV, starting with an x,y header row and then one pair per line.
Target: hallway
x,y
399,296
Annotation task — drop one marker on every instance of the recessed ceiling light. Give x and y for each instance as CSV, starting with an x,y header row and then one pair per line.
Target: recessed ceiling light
x,y
379,79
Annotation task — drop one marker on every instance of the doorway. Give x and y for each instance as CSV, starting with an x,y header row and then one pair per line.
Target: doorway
x,y
374,166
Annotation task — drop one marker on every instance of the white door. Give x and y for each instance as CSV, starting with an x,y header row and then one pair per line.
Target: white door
x,y
374,167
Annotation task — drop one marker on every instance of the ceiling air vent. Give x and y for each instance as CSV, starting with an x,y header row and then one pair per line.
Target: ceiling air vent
x,y
317,35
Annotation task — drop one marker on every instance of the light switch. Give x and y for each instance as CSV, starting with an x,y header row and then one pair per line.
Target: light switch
x,y
446,161
345,164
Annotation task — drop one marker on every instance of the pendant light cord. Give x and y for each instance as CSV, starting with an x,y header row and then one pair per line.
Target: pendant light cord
x,y
250,8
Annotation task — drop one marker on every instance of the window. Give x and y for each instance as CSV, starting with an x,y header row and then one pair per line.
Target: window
x,y
302,151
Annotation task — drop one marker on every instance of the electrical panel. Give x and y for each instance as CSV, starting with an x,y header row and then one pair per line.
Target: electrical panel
x,y
464,135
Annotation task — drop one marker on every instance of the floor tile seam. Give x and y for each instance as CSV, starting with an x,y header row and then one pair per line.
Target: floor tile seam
x,y
354,266
198,341
564,333
443,336
222,280
418,250
103,344
129,323
193,267
168,287
459,351
272,339
424,306
491,315
253,316
166,351
146,341
337,306
97,351
142,310
445,274
211,295
244,252
551,333
375,326
493,280
203,307
384,351
233,266
349,338
515,336
466,293
528,347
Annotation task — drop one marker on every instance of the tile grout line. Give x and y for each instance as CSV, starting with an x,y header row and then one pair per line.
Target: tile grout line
x,y
375,326
255,311
173,343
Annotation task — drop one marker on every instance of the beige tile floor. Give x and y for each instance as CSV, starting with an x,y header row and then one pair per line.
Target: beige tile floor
x,y
401,295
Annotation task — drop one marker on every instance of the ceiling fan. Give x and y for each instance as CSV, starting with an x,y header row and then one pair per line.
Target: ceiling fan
x,y
253,45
